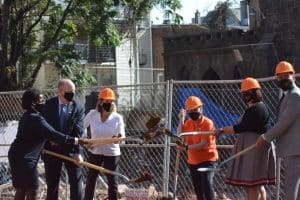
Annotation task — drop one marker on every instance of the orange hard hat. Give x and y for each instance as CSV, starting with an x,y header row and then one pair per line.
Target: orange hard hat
x,y
193,102
107,94
249,83
284,67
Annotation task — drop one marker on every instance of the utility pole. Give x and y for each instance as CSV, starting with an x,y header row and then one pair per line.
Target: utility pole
x,y
135,53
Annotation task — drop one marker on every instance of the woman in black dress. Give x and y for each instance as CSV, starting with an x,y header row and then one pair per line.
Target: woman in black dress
x,y
25,151
256,168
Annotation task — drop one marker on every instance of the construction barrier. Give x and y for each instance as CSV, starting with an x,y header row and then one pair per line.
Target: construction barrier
x,y
222,103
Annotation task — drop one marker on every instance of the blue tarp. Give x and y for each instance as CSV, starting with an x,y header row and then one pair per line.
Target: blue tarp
x,y
213,111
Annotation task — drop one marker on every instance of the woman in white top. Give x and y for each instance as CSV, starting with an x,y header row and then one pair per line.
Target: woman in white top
x,y
104,122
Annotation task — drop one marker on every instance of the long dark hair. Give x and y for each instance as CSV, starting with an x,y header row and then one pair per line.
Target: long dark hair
x,y
30,98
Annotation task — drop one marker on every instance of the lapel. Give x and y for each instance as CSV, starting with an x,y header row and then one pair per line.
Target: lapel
x,y
284,101
56,113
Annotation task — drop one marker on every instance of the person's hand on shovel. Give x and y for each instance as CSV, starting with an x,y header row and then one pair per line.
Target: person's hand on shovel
x,y
78,159
117,136
261,141
218,132
86,143
181,145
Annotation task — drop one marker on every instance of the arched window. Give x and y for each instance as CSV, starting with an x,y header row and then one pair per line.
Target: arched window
x,y
210,74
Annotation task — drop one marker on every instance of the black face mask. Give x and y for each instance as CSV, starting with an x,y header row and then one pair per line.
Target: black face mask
x,y
106,107
194,115
40,107
247,97
285,84
69,96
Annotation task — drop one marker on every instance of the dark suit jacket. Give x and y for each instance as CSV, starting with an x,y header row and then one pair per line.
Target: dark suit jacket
x,y
73,127
24,152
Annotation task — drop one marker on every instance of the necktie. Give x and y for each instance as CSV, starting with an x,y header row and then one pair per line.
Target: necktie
x,y
62,116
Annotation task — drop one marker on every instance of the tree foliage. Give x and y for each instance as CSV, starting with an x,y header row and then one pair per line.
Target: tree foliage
x,y
33,31
217,17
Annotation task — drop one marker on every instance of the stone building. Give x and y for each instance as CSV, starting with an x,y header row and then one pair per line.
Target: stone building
x,y
235,54
166,30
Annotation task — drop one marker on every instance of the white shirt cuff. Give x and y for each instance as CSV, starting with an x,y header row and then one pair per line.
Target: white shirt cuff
x,y
76,141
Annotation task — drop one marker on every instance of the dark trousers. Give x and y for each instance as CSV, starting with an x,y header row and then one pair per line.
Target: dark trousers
x,y
28,194
203,181
108,162
53,169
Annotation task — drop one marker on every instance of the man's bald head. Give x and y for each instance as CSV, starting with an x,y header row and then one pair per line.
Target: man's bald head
x,y
65,82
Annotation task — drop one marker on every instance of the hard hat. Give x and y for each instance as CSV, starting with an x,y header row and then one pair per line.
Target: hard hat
x,y
284,67
249,83
107,94
193,102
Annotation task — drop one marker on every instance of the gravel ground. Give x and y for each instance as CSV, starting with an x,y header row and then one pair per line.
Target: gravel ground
x,y
7,193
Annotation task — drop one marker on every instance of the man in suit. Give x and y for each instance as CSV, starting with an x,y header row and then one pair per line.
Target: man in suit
x,y
66,116
286,131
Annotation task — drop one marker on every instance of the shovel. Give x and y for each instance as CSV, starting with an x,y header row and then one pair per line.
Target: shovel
x,y
155,129
196,133
218,167
144,177
95,142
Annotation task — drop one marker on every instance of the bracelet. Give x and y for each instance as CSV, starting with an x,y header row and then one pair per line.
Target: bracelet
x,y
76,140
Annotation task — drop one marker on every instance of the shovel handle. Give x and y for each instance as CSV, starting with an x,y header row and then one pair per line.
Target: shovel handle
x,y
196,133
113,140
86,164
238,154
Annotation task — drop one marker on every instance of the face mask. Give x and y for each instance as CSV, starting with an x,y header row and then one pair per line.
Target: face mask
x,y
69,96
194,115
285,84
40,107
247,97
106,106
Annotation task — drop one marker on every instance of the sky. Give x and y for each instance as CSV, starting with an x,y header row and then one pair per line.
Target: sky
x,y
188,10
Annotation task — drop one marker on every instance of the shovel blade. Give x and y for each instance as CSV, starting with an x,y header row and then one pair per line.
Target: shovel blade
x,y
144,177
208,169
152,122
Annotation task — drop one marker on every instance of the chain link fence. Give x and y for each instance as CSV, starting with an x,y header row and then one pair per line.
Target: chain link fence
x,y
222,103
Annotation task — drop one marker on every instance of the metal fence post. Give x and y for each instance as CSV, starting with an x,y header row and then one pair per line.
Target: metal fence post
x,y
278,174
167,139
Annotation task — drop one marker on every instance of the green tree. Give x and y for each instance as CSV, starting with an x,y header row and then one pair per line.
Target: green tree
x,y
33,31
217,17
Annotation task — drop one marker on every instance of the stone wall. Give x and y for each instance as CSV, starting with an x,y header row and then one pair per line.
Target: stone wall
x,y
211,55
281,21
162,31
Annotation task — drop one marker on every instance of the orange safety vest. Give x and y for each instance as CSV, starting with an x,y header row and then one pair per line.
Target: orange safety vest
x,y
208,153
